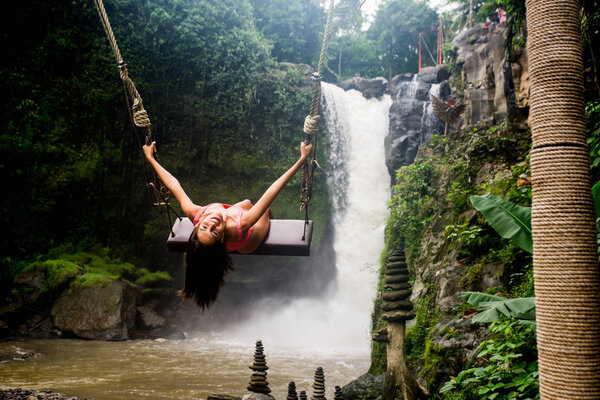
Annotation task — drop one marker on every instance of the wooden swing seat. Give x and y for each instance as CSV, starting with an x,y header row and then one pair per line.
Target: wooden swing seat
x,y
283,239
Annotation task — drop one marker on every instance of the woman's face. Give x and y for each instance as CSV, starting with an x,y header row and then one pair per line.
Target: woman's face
x,y
211,228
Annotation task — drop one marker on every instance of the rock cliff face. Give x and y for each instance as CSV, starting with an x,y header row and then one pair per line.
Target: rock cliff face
x,y
412,121
494,87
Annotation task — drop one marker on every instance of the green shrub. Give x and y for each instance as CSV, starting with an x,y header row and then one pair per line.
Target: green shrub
x,y
506,367
410,208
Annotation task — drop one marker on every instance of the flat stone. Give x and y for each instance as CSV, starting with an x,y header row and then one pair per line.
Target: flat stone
x,y
396,271
406,305
396,278
396,264
265,390
397,295
259,384
258,368
397,316
398,286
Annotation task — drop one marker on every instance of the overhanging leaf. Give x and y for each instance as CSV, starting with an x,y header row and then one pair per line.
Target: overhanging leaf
x,y
474,298
510,220
491,307
596,194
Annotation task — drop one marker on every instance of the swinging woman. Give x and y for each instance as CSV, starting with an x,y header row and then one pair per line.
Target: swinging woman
x,y
220,229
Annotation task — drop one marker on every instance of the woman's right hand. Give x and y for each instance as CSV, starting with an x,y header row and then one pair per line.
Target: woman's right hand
x,y
305,150
149,150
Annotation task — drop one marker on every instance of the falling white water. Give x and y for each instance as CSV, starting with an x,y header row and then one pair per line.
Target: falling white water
x,y
358,181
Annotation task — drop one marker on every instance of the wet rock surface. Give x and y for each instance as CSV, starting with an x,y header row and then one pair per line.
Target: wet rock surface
x,y
366,386
368,87
412,121
24,394
98,312
17,354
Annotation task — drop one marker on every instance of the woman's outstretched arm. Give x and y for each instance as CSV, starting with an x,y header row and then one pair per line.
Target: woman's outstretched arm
x,y
250,217
170,182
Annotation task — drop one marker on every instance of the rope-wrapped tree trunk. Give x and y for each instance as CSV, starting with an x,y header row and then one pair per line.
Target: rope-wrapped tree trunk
x,y
566,273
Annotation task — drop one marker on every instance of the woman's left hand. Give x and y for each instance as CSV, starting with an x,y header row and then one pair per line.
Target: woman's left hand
x,y
305,150
149,150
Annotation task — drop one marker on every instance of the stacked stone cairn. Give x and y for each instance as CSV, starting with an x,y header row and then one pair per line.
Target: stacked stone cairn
x,y
338,394
303,395
396,307
258,380
319,385
292,395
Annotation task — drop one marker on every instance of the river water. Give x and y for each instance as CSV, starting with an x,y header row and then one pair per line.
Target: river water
x,y
333,333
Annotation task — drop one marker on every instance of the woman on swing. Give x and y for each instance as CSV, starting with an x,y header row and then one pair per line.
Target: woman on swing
x,y
220,229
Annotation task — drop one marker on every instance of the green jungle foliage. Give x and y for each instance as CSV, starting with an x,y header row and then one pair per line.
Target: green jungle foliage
x,y
293,27
505,368
221,112
70,268
396,29
510,220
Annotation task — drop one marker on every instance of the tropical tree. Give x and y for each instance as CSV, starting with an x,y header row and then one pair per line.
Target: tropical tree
x,y
567,278
295,28
396,29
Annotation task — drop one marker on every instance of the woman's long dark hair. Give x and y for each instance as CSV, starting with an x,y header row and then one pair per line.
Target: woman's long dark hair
x,y
206,267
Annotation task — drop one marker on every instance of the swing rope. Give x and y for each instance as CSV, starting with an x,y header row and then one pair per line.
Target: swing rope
x,y
159,194
311,123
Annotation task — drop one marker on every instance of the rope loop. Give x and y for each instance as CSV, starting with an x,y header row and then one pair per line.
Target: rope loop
x,y
311,124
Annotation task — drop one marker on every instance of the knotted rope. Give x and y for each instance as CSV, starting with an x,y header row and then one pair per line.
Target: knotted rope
x,y
311,123
140,116
159,194
566,274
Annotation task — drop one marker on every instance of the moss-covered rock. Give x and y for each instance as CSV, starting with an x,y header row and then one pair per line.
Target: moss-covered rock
x,y
104,311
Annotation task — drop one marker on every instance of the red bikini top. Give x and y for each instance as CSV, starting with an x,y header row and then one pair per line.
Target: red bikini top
x,y
230,246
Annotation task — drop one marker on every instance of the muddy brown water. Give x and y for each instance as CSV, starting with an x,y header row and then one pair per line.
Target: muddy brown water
x,y
162,369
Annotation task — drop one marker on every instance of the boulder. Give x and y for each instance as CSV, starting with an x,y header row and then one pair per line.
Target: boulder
x,y
149,318
365,387
434,74
103,312
368,87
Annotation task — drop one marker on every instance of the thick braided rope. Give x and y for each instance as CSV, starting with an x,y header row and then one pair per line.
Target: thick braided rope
x,y
311,123
140,116
566,273
316,98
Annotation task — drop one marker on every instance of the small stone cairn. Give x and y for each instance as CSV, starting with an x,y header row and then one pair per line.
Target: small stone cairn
x,y
292,394
258,380
303,395
338,394
396,307
319,385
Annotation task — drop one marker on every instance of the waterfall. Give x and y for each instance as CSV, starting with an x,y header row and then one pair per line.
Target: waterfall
x,y
358,181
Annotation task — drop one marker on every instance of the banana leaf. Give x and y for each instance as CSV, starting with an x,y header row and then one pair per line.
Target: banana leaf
x,y
510,220
490,307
